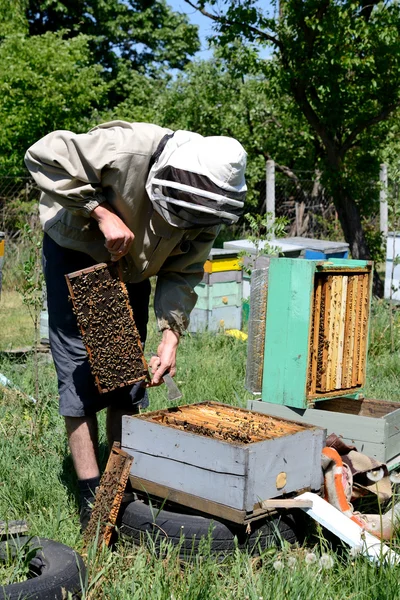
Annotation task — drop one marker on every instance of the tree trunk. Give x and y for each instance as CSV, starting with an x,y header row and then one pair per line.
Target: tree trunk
x,y
350,220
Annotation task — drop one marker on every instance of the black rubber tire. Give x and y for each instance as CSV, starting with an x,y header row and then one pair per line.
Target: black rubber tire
x,y
55,569
140,521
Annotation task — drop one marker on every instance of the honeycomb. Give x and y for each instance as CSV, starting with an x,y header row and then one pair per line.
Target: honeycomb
x,y
101,305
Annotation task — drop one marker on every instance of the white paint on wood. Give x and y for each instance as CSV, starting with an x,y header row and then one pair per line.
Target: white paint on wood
x,y
383,204
348,531
270,192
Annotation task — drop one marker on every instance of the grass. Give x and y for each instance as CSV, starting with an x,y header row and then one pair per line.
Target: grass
x,y
37,481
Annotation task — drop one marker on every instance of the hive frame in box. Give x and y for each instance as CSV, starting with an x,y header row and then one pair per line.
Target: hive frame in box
x,y
373,426
317,318
236,481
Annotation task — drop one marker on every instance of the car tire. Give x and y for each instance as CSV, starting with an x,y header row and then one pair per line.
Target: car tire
x,y
54,570
142,521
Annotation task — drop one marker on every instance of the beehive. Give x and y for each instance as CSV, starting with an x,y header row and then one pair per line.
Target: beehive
x,y
104,315
219,302
229,458
316,333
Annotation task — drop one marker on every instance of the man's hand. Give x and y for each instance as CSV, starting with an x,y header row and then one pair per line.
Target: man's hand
x,y
165,361
118,236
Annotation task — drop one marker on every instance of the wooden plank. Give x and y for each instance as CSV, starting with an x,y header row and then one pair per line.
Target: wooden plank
x,y
12,528
364,330
326,365
290,297
348,351
217,486
315,336
166,442
341,334
357,342
185,499
286,503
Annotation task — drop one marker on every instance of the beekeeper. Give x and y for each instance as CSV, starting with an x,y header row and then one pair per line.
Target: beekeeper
x,y
152,199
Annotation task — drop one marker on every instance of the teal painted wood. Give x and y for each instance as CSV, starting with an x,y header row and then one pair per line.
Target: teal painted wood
x,y
288,325
333,263
290,297
219,295
228,317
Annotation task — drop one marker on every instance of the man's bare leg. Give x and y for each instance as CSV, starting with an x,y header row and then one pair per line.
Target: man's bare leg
x,y
82,435
83,442
114,424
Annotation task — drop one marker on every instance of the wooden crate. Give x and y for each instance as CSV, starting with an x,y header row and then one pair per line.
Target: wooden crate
x,y
373,426
316,331
221,459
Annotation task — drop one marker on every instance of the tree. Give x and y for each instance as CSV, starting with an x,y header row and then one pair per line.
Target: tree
x,y
339,60
210,97
46,83
143,32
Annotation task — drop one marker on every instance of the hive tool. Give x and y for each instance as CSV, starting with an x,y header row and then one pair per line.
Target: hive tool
x,y
174,392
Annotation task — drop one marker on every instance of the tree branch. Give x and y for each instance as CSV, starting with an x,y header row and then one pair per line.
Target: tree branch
x,y
310,34
259,32
350,140
367,7
313,119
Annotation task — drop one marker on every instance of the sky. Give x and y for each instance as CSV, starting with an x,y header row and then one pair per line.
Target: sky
x,y
195,17
205,24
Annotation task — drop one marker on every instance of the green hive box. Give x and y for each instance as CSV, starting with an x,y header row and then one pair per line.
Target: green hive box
x,y
219,302
316,333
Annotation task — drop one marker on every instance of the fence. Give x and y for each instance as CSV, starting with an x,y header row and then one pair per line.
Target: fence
x,y
301,199
17,193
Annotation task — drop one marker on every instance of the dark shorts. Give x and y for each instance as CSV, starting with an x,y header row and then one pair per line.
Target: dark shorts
x,y
79,396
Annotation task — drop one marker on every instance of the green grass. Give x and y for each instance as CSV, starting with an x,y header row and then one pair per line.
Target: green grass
x,y
37,481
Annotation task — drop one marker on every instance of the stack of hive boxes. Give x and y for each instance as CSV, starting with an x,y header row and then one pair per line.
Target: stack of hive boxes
x,y
219,304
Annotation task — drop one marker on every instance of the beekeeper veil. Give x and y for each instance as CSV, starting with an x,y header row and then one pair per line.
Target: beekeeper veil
x,y
197,181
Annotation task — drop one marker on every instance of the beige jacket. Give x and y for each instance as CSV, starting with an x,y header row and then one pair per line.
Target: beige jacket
x,y
77,172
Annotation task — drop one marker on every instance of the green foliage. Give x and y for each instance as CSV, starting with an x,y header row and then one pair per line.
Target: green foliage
x,y
46,83
339,62
16,566
210,97
12,17
143,32
260,230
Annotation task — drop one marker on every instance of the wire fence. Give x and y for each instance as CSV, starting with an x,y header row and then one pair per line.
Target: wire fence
x,y
301,199
18,199
303,202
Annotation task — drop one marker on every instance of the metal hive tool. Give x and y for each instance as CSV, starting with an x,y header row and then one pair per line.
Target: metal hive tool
x,y
105,317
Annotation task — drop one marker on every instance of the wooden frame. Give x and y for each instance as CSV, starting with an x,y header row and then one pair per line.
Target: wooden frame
x,y
316,334
115,274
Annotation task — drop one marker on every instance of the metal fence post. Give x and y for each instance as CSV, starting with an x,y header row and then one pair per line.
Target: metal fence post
x,y
270,191
383,204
